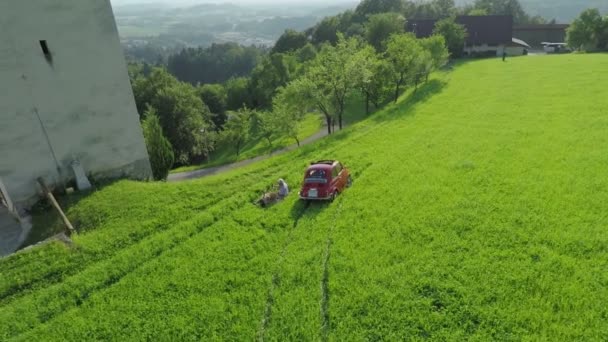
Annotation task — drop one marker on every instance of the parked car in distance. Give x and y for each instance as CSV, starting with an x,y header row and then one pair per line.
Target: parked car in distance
x,y
324,180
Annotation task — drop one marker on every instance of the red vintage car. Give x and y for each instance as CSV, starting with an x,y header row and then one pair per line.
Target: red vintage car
x,y
324,180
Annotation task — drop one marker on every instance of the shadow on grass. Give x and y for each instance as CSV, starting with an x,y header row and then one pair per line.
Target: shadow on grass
x,y
303,208
46,222
405,106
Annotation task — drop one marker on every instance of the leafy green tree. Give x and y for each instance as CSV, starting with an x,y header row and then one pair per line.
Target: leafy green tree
x,y
422,67
373,77
454,35
184,119
326,31
238,93
145,89
265,123
444,8
289,41
403,53
439,54
159,148
503,7
588,32
287,113
216,98
237,128
368,7
381,26
273,72
480,12
181,112
307,53
330,79
215,64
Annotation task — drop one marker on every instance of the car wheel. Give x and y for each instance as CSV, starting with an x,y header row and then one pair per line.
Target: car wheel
x,y
333,196
349,182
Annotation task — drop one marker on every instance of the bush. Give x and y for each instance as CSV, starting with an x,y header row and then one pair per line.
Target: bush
x,y
159,148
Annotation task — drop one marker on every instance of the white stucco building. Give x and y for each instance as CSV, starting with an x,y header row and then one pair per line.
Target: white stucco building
x,y
64,95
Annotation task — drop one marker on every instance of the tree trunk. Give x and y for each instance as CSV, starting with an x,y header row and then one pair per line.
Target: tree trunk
x,y
397,92
328,118
238,148
367,104
297,140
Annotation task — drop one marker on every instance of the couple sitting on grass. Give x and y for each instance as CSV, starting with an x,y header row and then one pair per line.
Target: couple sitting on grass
x,y
272,197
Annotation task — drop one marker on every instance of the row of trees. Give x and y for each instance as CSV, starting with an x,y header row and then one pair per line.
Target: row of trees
x,y
589,32
299,75
354,66
215,64
185,123
353,22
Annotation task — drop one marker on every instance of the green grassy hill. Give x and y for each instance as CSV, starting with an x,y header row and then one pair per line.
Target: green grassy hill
x,y
478,212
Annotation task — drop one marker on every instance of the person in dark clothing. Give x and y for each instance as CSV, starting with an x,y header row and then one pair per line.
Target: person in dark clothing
x,y
504,55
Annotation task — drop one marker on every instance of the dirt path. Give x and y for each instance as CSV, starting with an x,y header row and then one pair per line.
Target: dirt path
x,y
182,176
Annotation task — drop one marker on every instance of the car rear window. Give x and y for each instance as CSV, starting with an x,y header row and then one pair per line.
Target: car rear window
x,y
316,176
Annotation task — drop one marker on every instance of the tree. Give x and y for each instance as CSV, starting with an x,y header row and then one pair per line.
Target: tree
x,y
588,32
306,53
480,12
402,52
237,128
216,98
439,54
368,7
330,79
326,31
265,124
503,7
238,93
289,41
288,113
145,89
444,8
373,76
214,64
159,148
273,72
454,35
181,112
185,121
381,26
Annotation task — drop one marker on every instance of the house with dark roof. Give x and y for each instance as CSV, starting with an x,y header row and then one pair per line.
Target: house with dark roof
x,y
486,35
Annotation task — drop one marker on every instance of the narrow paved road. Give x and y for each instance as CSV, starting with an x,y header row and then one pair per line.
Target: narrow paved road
x,y
182,176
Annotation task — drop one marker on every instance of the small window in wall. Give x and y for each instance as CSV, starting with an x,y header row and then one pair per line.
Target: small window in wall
x,y
45,49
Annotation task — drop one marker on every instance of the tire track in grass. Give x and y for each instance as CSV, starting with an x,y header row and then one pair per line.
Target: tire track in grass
x,y
275,277
325,318
74,291
209,245
154,226
96,279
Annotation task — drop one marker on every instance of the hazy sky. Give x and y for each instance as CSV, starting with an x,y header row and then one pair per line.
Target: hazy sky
x,y
180,2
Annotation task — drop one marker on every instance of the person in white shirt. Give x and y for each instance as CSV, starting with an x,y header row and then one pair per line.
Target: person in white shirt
x,y
283,189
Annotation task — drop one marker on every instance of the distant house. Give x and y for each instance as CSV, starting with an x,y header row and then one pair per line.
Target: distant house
x,y
535,35
487,35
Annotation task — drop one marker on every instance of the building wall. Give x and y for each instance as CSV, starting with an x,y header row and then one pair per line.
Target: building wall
x,y
81,97
497,50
